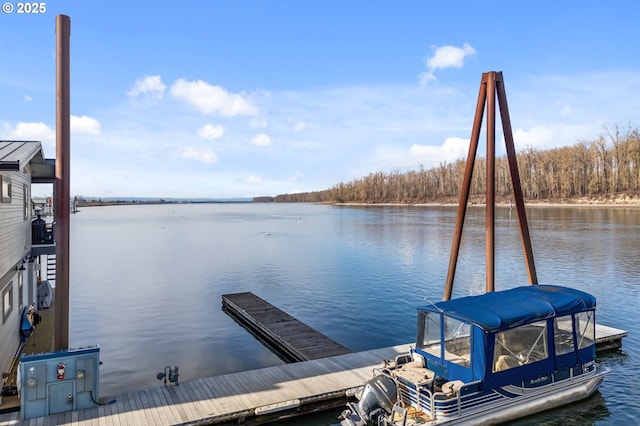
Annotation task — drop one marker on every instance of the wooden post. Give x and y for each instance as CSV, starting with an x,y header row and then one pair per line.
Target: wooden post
x,y
62,188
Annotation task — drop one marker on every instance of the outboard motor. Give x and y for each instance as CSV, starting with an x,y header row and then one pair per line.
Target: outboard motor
x,y
377,400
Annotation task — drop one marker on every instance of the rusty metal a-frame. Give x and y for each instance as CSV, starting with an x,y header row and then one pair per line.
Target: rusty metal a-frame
x,y
491,85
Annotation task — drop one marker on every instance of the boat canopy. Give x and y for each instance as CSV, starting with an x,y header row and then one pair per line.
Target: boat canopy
x,y
511,308
508,336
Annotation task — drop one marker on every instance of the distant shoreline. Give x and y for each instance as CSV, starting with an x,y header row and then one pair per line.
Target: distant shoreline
x,y
619,201
103,203
527,204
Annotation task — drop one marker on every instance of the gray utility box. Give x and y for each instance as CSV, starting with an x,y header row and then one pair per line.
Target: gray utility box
x,y
55,382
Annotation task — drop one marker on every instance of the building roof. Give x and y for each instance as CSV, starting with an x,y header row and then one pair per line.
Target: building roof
x,y
502,310
15,155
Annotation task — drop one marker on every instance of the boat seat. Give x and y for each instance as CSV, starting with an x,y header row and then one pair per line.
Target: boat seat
x,y
415,373
451,388
505,362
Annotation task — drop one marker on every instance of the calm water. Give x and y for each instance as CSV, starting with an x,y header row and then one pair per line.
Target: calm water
x,y
146,282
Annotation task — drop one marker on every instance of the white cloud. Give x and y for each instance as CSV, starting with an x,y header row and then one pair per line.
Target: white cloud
x,y
85,125
299,126
27,98
210,99
549,136
445,57
431,155
30,131
253,180
261,140
204,155
209,131
150,85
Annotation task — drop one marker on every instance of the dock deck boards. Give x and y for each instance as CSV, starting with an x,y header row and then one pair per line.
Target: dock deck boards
x,y
232,397
609,337
288,336
227,397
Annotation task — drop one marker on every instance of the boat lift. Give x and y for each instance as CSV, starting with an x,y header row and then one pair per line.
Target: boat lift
x,y
491,85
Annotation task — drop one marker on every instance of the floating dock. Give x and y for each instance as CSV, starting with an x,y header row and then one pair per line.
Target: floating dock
x,y
249,397
287,336
608,338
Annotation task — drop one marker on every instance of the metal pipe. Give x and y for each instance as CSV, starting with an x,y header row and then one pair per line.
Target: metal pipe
x,y
490,200
466,186
61,186
515,180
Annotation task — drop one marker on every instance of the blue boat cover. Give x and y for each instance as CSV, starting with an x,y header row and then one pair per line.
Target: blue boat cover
x,y
511,308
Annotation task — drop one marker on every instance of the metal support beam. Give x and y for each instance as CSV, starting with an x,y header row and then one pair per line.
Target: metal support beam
x,y
61,186
490,199
515,181
491,85
466,187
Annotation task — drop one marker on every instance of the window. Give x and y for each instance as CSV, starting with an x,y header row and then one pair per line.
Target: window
x,y
520,346
26,199
20,295
5,189
563,335
7,301
585,329
457,338
431,334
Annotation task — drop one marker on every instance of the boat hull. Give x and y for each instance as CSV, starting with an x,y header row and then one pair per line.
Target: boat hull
x,y
553,396
493,407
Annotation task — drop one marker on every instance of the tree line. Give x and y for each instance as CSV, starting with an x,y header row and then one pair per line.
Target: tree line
x,y
604,167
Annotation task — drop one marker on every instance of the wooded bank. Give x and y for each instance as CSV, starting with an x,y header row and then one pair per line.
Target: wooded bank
x,y
605,168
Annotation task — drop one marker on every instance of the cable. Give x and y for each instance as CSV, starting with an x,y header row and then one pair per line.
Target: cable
x,y
102,403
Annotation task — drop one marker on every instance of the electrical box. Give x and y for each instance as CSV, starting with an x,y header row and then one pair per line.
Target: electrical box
x,y
55,382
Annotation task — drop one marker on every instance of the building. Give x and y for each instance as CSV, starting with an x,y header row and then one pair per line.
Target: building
x,y
22,163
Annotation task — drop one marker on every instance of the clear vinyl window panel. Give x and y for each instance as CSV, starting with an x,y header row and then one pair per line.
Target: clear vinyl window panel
x,y
586,329
431,338
521,345
457,342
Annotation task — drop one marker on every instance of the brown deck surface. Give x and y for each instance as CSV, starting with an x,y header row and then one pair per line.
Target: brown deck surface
x,y
289,336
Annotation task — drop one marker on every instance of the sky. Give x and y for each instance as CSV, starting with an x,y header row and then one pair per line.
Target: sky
x,y
222,98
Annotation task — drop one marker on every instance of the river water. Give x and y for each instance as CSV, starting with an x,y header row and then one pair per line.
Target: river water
x,y
146,282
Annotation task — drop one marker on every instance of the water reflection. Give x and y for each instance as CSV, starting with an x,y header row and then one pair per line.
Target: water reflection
x,y
146,281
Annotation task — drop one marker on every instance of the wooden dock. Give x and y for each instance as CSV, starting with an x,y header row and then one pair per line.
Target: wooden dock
x,y
608,338
262,395
287,336
255,396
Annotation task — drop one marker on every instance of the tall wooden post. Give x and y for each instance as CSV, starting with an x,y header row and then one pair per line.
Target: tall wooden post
x,y
62,188
491,85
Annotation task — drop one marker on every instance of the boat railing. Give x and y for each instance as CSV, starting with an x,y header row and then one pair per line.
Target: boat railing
x,y
436,403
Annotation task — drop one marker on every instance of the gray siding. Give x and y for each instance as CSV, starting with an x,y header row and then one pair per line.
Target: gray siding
x,y
15,243
15,229
9,331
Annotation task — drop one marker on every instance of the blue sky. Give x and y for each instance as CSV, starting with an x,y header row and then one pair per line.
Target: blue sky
x,y
244,98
